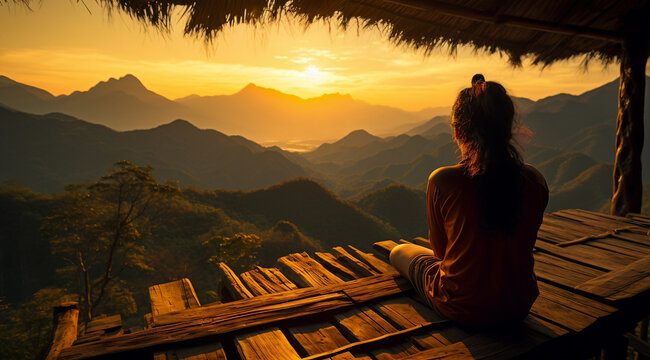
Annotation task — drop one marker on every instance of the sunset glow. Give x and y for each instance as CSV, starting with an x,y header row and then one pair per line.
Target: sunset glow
x,y
81,48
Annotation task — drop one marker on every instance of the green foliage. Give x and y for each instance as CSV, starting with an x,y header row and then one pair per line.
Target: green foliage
x,y
285,238
25,331
401,207
309,205
97,228
240,250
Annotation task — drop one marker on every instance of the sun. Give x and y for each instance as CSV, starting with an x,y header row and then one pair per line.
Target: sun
x,y
312,73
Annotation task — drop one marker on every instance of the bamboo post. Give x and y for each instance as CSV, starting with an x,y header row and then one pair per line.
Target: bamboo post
x,y
65,328
628,185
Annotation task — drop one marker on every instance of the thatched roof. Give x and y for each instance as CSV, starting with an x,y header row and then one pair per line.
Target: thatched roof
x,y
546,31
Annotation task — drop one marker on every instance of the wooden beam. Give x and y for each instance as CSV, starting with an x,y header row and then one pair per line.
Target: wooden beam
x,y
65,328
628,185
235,288
507,20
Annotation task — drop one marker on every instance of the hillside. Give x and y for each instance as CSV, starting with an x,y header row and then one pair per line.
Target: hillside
x,y
255,112
400,206
45,152
316,211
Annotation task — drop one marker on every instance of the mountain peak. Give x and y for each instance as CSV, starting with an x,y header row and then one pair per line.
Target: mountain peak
x,y
127,83
178,124
357,138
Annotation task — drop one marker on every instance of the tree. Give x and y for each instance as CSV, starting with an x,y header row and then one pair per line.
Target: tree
x,y
97,229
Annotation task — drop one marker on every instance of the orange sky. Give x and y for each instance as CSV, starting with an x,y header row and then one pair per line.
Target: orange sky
x,y
61,47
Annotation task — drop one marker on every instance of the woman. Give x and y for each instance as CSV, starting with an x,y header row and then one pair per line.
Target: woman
x,y
483,214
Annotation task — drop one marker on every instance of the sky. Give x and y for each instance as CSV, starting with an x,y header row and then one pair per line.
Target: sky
x,y
63,46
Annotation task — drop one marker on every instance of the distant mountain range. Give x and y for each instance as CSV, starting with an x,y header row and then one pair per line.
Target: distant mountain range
x,y
254,112
46,152
572,145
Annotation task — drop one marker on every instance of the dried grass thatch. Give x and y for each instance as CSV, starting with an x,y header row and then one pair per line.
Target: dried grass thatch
x,y
546,31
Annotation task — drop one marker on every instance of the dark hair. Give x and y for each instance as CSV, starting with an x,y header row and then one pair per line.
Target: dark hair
x,y
483,117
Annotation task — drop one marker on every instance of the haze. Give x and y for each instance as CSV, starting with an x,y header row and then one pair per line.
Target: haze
x,y
61,46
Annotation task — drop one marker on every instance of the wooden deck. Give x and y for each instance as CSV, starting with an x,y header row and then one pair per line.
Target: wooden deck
x,y
594,281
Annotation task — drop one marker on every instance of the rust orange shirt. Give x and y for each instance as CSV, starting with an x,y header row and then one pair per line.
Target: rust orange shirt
x,y
484,276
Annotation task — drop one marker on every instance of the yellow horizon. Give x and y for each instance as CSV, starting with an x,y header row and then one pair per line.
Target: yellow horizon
x,y
79,49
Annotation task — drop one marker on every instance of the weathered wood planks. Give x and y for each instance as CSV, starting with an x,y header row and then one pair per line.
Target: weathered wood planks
x,y
365,324
613,285
204,352
318,337
259,310
235,288
261,281
172,296
305,271
378,315
268,344
107,323
65,328
372,261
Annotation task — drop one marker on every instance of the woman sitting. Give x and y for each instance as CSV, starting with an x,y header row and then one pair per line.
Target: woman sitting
x,y
484,214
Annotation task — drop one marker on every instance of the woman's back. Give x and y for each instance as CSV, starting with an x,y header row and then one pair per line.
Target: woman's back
x,y
485,275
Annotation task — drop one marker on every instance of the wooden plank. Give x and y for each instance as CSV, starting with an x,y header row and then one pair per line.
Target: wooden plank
x,y
268,344
108,323
557,313
384,247
620,241
66,316
148,320
572,311
358,267
456,351
318,337
615,247
372,261
268,280
212,320
364,324
278,278
576,301
349,356
616,281
172,296
250,282
589,256
331,263
305,271
544,327
606,234
204,352
376,342
405,312
232,284
561,271
418,240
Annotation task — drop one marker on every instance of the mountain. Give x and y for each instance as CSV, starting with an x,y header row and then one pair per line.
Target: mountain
x,y
435,125
255,112
316,211
120,104
400,206
262,113
47,152
583,123
591,190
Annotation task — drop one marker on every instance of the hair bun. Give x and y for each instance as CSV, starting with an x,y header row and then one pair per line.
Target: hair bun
x,y
477,78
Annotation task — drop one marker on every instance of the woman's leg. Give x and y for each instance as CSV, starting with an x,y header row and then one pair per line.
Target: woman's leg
x,y
403,255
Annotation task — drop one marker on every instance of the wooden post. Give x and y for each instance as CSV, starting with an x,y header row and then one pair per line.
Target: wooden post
x,y
628,185
65,328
